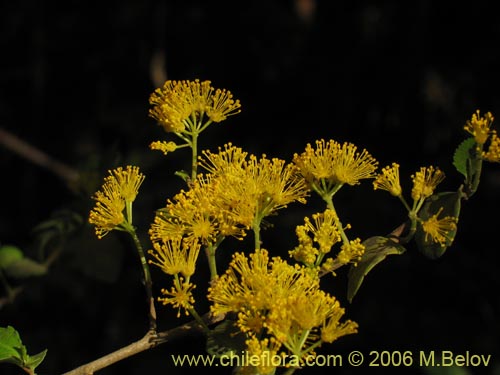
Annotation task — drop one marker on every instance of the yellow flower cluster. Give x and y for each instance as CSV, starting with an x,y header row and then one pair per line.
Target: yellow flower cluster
x,y
278,303
479,126
118,192
179,106
317,238
226,201
163,146
425,181
331,164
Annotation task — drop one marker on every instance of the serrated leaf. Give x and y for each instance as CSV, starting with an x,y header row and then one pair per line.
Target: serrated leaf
x,y
10,344
451,204
462,156
225,338
377,248
25,267
8,255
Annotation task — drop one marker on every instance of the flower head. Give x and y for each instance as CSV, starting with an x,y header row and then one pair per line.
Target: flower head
x,y
251,187
425,181
335,163
352,252
175,256
118,192
129,180
479,126
107,213
180,296
389,180
196,214
179,106
322,231
439,229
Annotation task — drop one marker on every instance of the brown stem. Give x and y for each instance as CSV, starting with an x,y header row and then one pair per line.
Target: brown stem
x,y
38,157
149,341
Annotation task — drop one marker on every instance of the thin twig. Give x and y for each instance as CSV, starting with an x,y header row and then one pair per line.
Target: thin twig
x,y
38,157
149,341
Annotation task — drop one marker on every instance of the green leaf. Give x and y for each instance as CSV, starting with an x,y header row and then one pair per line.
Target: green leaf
x,y
10,345
34,360
463,154
226,338
184,175
13,351
25,267
451,203
8,255
377,248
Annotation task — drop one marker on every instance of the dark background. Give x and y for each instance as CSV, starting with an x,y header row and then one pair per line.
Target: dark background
x,y
397,78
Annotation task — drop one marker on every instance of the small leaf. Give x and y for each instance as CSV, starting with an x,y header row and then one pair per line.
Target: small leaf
x,y
8,255
34,360
377,248
451,203
184,175
225,338
462,155
25,267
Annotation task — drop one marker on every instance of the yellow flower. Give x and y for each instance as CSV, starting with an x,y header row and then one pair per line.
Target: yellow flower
x,y
425,181
352,166
128,180
179,106
389,180
351,253
333,329
479,126
163,146
439,229
221,105
322,231
331,164
174,257
119,190
107,213
274,183
170,107
180,296
493,153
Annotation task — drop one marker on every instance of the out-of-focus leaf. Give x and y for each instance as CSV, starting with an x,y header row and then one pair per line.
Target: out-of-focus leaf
x,y
25,267
8,255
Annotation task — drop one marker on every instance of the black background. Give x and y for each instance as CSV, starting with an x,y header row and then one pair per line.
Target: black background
x,y
397,78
